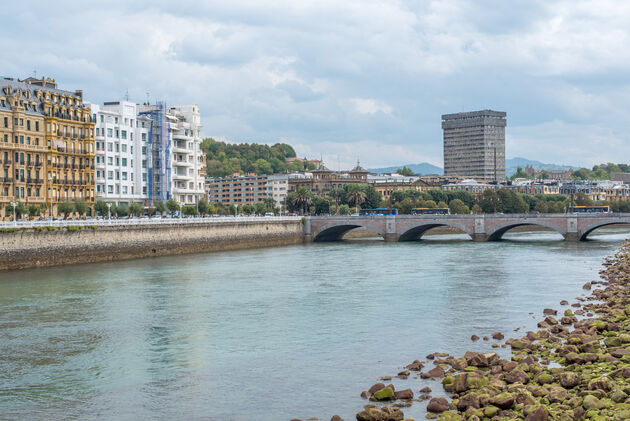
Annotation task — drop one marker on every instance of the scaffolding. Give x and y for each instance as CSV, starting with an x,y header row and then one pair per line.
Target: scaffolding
x,y
158,153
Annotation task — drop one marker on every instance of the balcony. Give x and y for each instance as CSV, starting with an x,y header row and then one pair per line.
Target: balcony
x,y
7,162
6,179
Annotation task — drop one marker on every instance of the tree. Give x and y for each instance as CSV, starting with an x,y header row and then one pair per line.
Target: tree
x,y
544,175
135,208
321,205
458,207
231,210
189,210
373,198
541,206
489,202
404,171
442,205
172,205
203,206
80,207
581,199
260,208
160,207
511,202
247,209
476,209
302,198
101,207
66,208
519,174
270,204
344,210
355,195
339,196
405,206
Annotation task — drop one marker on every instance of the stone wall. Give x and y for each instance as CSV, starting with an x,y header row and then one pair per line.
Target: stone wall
x,y
34,248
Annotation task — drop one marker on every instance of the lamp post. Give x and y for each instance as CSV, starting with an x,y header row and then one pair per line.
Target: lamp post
x,y
14,204
109,213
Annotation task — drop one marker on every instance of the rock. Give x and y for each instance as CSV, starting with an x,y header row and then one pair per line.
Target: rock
x,y
498,336
618,396
485,338
601,383
415,366
564,303
336,418
550,311
425,390
437,405
383,414
569,380
539,413
404,373
557,394
591,402
384,394
375,388
544,378
469,400
403,394
502,400
474,338
516,376
490,411
365,394
586,285
433,373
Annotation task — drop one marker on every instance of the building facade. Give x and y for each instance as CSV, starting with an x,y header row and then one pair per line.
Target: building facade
x,y
323,180
278,188
121,152
237,189
474,145
47,145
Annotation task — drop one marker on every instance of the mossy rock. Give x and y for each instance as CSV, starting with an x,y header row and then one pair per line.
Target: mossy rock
x,y
385,394
591,402
612,342
544,378
490,411
450,416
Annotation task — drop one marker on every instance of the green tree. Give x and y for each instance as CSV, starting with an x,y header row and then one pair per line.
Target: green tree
x,y
33,210
511,202
135,208
302,198
339,196
344,210
160,207
247,209
203,206
405,206
172,205
458,207
442,205
489,202
66,208
355,195
373,198
80,207
321,205
270,204
476,209
519,174
189,210
581,199
101,207
260,208
404,171
541,206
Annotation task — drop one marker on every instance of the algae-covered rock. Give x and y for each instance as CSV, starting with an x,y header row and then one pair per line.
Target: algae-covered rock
x,y
618,396
490,411
503,400
437,405
591,402
544,378
569,380
601,383
383,394
537,413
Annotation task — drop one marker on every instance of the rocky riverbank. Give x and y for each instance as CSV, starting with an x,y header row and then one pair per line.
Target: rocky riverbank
x,y
576,366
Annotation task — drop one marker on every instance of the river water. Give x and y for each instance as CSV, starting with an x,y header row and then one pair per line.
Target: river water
x,y
268,334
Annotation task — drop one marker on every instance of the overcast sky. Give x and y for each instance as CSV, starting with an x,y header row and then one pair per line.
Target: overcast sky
x,y
348,79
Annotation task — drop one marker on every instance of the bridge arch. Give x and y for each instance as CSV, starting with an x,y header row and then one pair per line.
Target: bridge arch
x,y
496,233
583,234
336,230
417,231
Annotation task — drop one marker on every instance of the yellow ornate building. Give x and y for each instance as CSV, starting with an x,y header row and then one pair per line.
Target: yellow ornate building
x,y
46,145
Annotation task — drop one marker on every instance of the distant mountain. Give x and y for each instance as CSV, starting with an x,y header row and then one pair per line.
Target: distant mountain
x,y
423,169
513,163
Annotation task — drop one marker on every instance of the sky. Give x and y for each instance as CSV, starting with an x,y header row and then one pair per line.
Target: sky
x,y
348,79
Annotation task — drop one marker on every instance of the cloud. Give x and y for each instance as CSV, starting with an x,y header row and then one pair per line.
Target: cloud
x,y
364,76
370,106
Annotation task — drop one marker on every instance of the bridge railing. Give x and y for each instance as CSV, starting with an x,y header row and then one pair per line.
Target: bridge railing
x,y
486,216
144,221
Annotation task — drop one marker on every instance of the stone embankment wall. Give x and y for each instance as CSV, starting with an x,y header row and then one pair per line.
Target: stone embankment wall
x,y
34,248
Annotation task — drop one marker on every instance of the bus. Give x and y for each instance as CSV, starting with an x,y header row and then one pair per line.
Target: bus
x,y
430,211
589,209
378,211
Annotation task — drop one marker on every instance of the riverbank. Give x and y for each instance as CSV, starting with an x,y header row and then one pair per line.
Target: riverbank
x,y
23,248
576,366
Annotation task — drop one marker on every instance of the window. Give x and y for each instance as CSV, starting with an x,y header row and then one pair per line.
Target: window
x,y
124,175
110,133
110,175
116,120
124,189
102,118
144,135
110,160
28,126
123,134
109,147
6,122
110,189
37,126
124,162
123,147
6,138
117,134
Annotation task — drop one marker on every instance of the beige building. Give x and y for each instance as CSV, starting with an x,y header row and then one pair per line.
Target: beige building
x,y
324,180
237,189
51,156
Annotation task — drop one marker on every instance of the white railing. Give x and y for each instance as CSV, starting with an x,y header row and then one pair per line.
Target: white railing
x,y
145,221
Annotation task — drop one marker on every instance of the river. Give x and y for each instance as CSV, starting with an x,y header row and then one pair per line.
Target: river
x,y
268,334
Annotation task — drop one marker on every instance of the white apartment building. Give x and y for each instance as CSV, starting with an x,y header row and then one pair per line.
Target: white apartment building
x,y
121,137
277,188
188,162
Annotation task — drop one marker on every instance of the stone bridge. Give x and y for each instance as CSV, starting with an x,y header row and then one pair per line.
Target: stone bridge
x,y
573,227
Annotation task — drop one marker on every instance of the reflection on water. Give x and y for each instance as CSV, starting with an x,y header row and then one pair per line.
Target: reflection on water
x,y
268,334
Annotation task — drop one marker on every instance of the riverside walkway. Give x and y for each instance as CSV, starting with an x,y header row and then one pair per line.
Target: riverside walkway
x,y
573,227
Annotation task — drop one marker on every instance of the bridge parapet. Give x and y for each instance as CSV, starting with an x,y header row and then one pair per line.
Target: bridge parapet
x,y
479,227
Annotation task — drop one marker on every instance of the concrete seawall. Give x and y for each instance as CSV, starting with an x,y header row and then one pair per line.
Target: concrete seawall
x,y
36,248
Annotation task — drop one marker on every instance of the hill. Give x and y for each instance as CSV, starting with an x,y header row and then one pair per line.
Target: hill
x,y
423,168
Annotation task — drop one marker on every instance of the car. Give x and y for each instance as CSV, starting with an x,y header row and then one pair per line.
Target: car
x,y
268,213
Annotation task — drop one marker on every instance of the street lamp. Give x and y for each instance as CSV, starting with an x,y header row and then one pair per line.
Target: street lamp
x,y
14,204
109,213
